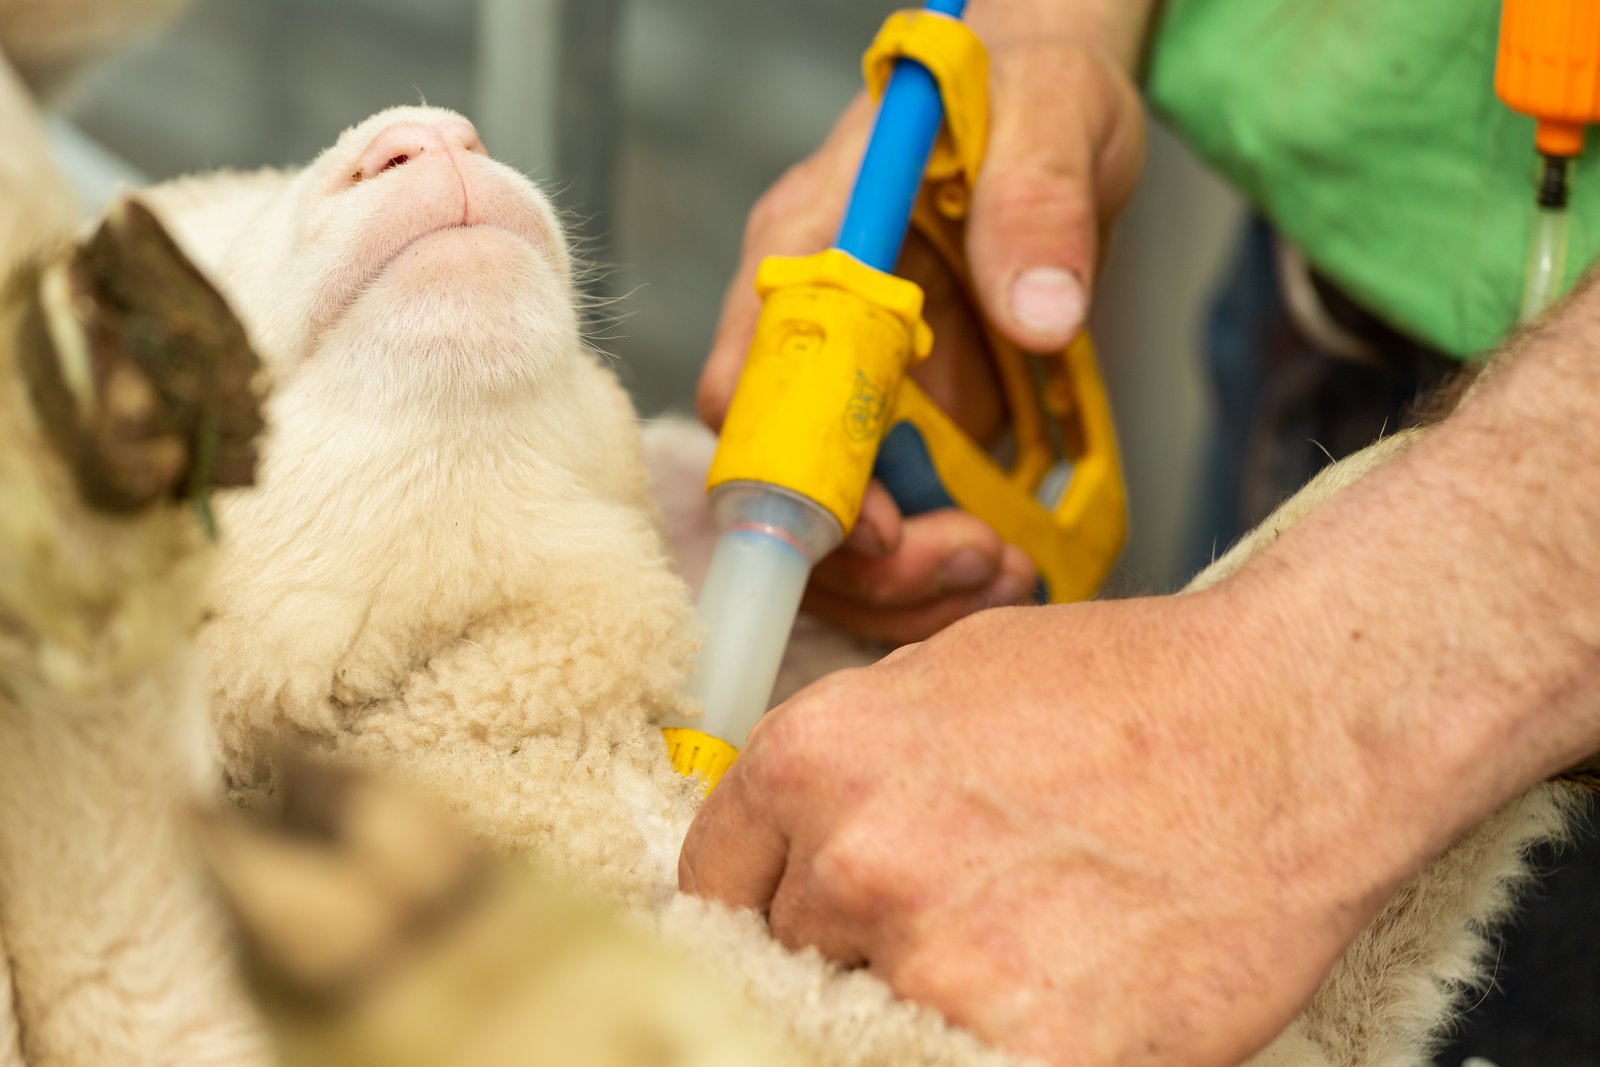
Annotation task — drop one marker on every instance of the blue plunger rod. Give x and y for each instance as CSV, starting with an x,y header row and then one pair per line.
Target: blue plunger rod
x,y
891,171
875,226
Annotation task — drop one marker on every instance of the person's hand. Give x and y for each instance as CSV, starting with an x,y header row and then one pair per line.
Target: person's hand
x,y
1139,831
1065,147
1073,830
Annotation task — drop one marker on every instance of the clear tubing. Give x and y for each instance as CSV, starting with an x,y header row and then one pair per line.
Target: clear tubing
x,y
769,541
1547,262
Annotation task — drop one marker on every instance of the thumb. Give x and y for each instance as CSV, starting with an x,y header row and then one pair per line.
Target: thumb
x,y
1065,146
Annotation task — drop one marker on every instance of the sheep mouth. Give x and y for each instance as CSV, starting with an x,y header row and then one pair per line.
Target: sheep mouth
x,y
387,263
356,293
454,227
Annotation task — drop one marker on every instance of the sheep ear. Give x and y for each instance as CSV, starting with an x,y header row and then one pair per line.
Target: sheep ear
x,y
142,377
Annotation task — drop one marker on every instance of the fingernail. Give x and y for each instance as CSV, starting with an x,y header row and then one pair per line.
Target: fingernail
x,y
864,540
967,569
1048,300
1007,590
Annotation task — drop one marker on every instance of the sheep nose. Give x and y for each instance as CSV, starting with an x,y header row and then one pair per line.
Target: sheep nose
x,y
405,142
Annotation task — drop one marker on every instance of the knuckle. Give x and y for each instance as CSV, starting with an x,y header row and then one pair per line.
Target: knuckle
x,y
851,875
806,740
788,749
905,649
1061,72
763,216
1040,191
786,918
1060,108
985,632
686,867
928,977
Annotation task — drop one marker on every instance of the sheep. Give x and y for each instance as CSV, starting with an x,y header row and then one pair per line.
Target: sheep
x,y
426,362
452,573
125,384
87,958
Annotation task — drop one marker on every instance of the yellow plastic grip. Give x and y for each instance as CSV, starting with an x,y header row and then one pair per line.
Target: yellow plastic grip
x,y
956,58
830,350
699,755
1072,546
1057,407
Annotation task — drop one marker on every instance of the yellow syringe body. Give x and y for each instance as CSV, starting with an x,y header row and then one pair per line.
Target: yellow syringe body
x,y
830,352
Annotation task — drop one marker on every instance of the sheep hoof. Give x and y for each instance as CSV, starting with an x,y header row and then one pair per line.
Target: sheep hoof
x,y
141,375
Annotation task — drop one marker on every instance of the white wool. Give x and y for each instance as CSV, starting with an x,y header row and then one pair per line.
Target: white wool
x,y
451,568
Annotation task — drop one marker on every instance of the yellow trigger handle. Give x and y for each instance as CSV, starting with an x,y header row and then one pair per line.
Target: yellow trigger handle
x,y
1060,420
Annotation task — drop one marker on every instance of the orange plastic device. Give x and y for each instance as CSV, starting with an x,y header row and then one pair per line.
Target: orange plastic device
x,y
1549,68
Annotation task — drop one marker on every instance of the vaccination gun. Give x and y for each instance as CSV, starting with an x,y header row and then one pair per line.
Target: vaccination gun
x,y
825,403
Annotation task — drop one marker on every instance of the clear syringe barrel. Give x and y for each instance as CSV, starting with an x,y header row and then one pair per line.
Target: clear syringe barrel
x,y
769,539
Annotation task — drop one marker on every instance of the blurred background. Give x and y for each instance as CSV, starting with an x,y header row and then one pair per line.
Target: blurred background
x,y
656,124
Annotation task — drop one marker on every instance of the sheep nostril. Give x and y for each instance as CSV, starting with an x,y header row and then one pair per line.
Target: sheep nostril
x,y
399,159
407,142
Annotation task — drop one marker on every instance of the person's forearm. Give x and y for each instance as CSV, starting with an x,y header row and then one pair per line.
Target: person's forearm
x,y
1119,27
1447,607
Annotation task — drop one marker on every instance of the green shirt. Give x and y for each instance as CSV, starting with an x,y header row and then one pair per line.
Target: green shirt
x,y
1369,133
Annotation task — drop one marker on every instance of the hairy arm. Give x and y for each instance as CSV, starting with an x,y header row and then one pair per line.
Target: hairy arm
x,y
1449,603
